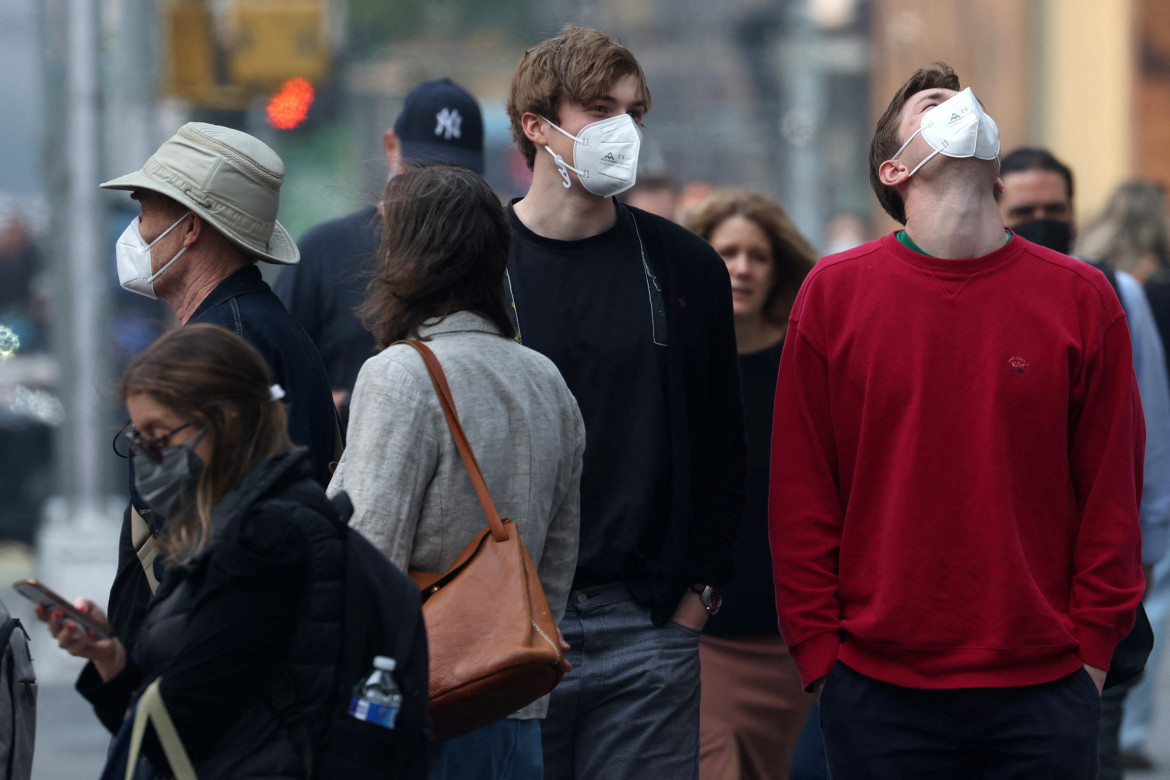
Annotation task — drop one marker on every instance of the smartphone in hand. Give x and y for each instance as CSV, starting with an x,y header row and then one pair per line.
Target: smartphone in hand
x,y
40,594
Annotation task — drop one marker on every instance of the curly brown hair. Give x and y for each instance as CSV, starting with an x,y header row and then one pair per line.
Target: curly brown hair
x,y
213,377
793,256
579,64
445,244
886,140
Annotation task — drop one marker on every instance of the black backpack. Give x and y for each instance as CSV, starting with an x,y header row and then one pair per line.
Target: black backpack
x,y
382,616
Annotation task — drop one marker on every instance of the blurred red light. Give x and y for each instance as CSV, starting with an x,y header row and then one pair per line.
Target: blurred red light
x,y
289,107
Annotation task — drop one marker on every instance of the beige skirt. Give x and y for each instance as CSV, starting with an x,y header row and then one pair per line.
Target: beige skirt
x,y
752,710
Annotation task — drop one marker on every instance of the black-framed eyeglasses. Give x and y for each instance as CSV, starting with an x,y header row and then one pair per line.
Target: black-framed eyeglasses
x,y
151,446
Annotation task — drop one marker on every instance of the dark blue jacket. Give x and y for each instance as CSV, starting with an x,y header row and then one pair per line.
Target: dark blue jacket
x,y
244,304
324,290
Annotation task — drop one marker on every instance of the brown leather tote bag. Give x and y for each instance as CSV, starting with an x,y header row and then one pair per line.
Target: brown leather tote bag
x,y
493,642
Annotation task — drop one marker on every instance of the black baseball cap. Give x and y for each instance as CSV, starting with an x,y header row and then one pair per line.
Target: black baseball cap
x,y
441,122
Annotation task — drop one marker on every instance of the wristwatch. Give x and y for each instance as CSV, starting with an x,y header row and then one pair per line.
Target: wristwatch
x,y
711,598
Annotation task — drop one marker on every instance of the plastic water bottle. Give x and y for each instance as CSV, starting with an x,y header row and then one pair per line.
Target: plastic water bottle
x,y
376,699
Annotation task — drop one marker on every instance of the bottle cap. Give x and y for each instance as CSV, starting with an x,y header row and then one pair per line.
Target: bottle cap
x,y
384,663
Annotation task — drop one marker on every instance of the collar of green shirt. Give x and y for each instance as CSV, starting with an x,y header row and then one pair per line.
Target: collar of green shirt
x,y
905,240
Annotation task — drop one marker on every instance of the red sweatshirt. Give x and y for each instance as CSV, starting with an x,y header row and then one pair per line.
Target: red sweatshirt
x,y
956,468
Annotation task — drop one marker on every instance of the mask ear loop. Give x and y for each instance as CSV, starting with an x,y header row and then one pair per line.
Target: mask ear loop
x,y
561,166
902,148
150,279
925,160
560,161
163,234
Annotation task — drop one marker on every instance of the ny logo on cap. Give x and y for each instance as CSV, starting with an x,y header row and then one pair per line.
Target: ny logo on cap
x,y
449,123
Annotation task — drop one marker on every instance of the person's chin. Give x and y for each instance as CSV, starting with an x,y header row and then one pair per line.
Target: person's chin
x,y
743,305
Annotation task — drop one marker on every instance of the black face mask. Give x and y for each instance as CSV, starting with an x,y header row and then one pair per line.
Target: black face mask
x,y
1052,233
168,483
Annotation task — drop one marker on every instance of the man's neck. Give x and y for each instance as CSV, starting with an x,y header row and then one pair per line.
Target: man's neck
x,y
956,223
551,211
200,277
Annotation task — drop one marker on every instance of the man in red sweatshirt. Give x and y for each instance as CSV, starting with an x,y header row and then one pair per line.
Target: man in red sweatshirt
x,y
956,471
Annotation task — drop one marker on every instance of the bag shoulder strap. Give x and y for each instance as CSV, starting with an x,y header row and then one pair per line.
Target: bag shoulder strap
x,y
439,379
152,708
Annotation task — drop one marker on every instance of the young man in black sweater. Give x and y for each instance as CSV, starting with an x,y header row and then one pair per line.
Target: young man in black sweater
x,y
636,313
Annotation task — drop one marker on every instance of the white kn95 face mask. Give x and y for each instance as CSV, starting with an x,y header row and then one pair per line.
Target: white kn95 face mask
x,y
133,255
605,154
957,127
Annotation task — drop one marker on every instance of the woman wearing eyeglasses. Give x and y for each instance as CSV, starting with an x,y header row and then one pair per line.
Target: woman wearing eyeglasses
x,y
252,560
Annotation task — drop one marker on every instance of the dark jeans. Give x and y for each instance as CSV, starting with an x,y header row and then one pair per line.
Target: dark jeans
x,y
809,763
876,730
505,750
629,710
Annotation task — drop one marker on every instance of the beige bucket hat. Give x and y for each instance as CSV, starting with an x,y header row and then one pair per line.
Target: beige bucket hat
x,y
228,178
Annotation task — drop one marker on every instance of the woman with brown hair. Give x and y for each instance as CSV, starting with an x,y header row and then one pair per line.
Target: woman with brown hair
x,y
248,604
440,279
753,705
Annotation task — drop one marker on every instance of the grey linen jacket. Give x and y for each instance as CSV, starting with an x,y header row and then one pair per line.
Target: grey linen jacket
x,y
411,493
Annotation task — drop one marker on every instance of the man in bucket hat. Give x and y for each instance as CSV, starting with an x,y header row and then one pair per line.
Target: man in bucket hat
x,y
440,123
208,200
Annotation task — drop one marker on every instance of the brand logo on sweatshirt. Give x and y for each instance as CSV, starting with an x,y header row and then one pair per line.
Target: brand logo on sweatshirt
x,y
1017,364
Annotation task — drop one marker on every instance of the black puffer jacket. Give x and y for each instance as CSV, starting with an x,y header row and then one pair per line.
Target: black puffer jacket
x,y
247,635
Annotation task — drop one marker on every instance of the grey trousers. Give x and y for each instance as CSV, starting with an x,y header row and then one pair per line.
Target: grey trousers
x,y
630,706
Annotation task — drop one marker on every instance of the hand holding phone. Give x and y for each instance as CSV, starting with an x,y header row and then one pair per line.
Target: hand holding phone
x,y
45,597
90,637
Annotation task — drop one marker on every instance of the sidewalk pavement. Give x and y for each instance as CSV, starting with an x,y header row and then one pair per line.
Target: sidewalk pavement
x,y
71,744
